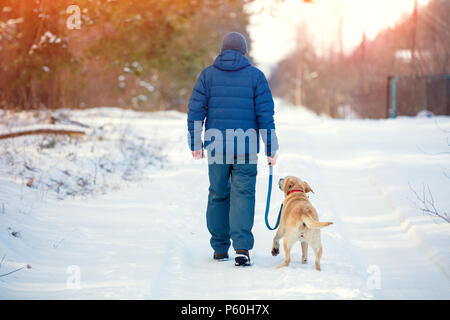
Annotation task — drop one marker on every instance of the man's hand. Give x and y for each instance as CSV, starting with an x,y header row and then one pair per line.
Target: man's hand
x,y
272,160
198,154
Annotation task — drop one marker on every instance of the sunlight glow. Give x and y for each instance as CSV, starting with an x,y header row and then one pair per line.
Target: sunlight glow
x,y
273,26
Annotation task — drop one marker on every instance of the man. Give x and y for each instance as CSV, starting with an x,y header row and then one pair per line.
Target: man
x,y
236,101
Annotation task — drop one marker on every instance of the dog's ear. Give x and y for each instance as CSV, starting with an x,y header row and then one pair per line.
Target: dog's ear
x,y
281,183
307,187
287,184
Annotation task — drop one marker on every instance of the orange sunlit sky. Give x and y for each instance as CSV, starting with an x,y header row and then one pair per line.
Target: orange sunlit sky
x,y
273,29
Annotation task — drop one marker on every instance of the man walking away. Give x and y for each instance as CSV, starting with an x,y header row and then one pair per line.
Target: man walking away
x,y
234,97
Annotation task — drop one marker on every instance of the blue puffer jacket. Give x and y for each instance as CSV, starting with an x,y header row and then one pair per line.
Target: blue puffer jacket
x,y
232,94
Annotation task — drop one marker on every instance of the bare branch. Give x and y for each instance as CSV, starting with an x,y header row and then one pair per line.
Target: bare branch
x,y
41,131
5,274
427,203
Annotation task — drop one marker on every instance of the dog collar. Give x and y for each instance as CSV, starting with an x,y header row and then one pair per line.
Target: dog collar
x,y
295,190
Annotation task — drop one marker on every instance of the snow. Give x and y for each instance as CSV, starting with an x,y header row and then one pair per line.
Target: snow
x,y
108,156
147,238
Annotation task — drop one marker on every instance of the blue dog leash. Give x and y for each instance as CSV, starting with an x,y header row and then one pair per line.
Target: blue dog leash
x,y
269,193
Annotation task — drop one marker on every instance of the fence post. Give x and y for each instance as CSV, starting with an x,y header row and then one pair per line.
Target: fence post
x,y
388,95
394,90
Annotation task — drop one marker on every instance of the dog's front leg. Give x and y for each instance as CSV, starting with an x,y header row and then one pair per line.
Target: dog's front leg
x,y
276,241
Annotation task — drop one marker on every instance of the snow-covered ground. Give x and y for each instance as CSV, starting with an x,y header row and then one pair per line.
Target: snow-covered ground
x,y
146,237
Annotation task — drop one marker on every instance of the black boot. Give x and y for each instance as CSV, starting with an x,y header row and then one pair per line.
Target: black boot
x,y
220,256
242,258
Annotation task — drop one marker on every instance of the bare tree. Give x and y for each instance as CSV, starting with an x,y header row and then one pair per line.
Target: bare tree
x,y
425,203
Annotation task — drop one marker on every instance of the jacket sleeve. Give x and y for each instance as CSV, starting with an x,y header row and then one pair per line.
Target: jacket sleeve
x,y
197,113
264,109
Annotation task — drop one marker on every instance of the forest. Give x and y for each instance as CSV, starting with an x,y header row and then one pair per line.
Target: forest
x,y
135,54
146,55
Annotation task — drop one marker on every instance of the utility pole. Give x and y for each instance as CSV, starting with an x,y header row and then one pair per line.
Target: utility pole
x,y
299,83
362,68
299,72
340,36
414,36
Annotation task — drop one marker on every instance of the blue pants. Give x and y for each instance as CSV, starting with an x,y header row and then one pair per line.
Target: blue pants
x,y
231,206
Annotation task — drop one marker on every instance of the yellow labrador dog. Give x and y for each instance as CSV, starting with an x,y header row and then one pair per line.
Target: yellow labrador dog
x,y
299,221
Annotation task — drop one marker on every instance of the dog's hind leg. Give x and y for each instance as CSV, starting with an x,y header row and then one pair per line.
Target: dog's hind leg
x,y
304,252
318,253
317,247
313,240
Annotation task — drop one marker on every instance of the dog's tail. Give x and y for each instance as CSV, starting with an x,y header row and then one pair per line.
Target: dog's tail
x,y
314,224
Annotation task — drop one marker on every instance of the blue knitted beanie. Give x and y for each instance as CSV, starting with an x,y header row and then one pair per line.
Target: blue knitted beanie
x,y
234,41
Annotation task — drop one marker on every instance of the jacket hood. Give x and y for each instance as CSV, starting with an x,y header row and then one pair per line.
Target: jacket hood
x,y
231,60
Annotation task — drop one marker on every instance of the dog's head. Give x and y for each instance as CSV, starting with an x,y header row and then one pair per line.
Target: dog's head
x,y
293,183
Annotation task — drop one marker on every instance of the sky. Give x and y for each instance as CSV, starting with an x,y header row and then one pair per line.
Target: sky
x,y
274,23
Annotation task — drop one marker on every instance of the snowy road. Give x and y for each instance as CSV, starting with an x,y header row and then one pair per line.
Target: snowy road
x,y
150,241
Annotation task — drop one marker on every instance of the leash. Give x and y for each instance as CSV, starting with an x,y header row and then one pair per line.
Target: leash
x,y
269,193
